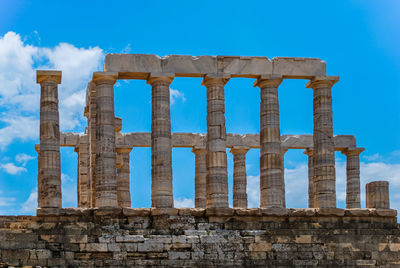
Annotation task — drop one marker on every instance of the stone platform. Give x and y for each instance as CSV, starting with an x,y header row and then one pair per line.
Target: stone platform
x,y
201,237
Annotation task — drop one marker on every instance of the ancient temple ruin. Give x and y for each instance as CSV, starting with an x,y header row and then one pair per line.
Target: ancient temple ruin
x,y
103,151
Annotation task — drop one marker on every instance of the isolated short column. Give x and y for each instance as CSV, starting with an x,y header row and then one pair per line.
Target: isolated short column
x,y
271,171
324,153
217,174
49,173
353,177
106,179
161,145
239,177
200,177
377,194
123,180
310,153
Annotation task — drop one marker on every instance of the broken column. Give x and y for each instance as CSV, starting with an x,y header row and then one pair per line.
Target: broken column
x,y
123,180
271,170
324,154
83,183
161,145
239,177
353,177
377,194
217,174
200,177
310,153
49,165
106,179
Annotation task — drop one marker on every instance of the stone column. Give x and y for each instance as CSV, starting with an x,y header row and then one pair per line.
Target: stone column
x,y
310,153
106,179
377,194
271,171
353,177
49,173
83,184
217,173
200,177
123,180
161,144
239,177
91,115
283,152
324,154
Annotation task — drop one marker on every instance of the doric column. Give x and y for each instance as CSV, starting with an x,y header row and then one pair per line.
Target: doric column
x,y
200,177
377,194
217,174
271,171
239,177
283,152
106,179
123,181
91,115
49,173
83,184
310,153
353,177
161,145
324,154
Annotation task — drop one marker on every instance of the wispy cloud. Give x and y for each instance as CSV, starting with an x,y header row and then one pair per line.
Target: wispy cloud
x,y
23,158
184,203
176,95
12,169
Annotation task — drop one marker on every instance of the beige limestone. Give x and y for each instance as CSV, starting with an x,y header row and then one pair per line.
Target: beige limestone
x,y
123,178
161,146
91,116
377,195
200,177
324,155
271,172
290,67
239,177
353,177
83,183
49,166
311,195
106,179
216,161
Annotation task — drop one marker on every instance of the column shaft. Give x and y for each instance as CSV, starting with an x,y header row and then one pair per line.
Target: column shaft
x,y
123,180
216,161
106,179
200,177
271,170
49,173
311,195
353,177
239,178
83,184
324,154
377,194
161,144
92,142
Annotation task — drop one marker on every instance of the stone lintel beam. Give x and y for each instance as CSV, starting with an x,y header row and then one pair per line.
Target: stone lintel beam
x,y
139,66
48,76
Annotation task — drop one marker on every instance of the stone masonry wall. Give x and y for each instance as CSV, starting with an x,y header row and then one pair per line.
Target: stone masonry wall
x,y
198,237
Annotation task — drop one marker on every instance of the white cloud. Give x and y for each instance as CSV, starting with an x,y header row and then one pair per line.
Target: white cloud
x,y
23,158
373,157
19,93
184,202
175,95
30,205
12,169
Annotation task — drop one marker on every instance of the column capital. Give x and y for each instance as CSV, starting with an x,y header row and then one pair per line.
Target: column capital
x,y
309,152
108,78
268,80
322,81
48,76
123,150
118,124
215,79
37,148
160,77
284,150
353,151
239,150
199,150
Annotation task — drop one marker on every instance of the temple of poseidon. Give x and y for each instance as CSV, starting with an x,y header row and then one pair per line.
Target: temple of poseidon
x,y
104,229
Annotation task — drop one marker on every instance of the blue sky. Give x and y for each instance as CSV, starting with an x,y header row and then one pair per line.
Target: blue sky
x,y
359,40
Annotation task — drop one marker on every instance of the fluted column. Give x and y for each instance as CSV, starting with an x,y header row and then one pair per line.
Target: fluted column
x,y
217,174
83,172
310,153
239,177
200,177
271,171
324,154
377,194
353,177
91,115
49,173
123,178
161,145
283,152
106,179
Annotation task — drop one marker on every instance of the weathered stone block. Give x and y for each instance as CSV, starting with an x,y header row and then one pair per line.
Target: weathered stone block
x,y
291,67
183,65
